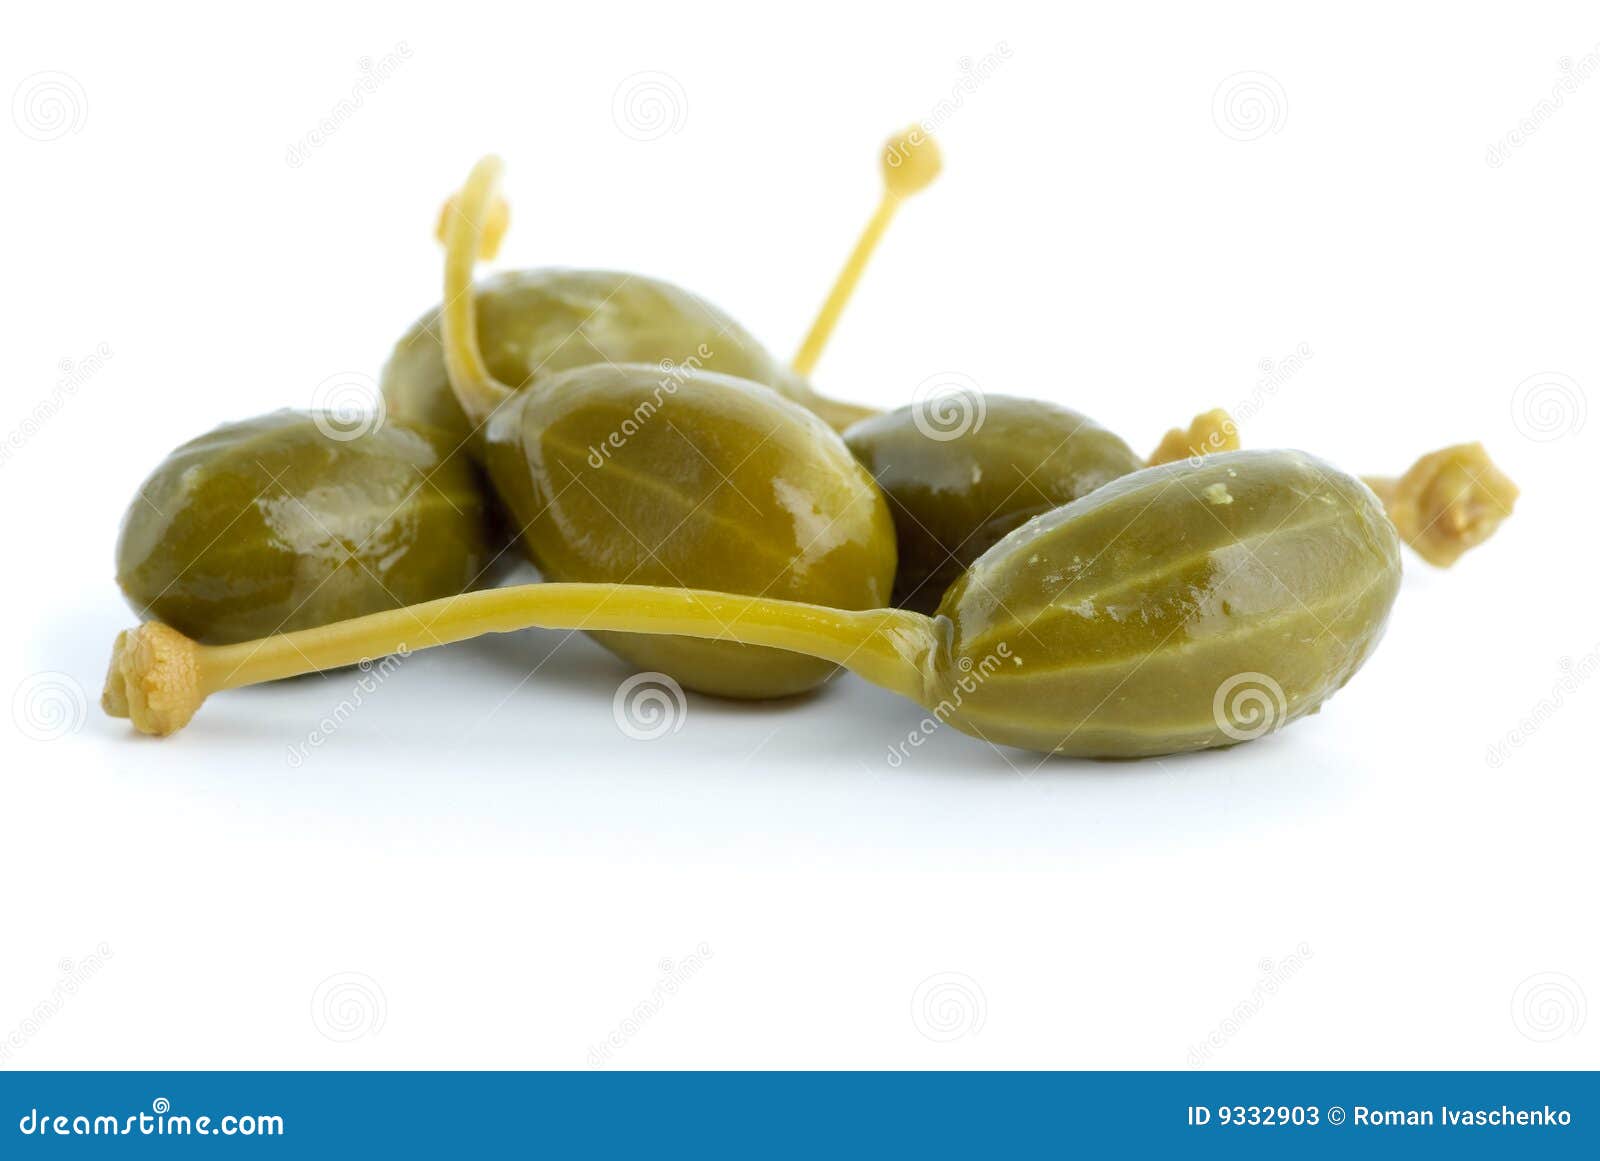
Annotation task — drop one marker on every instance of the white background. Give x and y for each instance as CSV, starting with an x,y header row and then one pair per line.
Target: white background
x,y
499,866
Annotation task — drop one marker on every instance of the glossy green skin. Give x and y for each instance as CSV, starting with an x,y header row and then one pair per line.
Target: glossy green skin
x,y
270,525
536,323
1141,619
953,499
700,480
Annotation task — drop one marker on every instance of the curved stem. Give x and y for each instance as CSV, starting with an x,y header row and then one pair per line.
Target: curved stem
x,y
467,217
159,678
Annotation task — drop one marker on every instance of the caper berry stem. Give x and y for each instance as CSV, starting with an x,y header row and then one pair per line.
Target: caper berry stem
x,y
822,328
910,163
159,678
471,223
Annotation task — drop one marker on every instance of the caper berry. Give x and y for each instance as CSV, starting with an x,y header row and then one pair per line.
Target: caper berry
x,y
274,524
691,478
954,494
533,324
1120,620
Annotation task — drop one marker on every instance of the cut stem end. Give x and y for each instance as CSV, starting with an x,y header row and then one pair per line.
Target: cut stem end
x,y
154,679
1448,502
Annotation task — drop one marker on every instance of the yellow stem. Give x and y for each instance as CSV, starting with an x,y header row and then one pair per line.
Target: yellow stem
x,y
466,218
159,678
910,161
844,286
